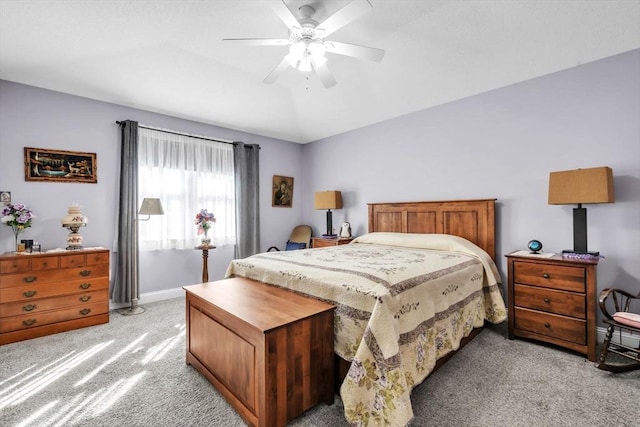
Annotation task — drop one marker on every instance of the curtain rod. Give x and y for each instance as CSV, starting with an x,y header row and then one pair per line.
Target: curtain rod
x,y
181,133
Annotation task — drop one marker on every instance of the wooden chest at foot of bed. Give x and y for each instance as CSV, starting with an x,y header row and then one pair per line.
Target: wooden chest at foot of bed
x,y
267,350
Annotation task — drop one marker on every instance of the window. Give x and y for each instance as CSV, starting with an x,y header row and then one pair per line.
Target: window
x,y
187,174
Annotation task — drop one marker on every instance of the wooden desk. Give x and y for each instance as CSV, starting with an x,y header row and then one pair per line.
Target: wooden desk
x,y
205,261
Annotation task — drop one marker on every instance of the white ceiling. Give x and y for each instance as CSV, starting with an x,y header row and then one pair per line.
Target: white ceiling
x,y
167,56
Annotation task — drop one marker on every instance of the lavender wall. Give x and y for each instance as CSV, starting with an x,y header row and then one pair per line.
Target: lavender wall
x,y
33,117
503,144
500,144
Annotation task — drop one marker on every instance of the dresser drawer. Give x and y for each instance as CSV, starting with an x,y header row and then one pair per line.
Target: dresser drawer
x,y
46,290
14,265
552,301
561,277
97,258
45,263
552,325
34,320
53,303
50,276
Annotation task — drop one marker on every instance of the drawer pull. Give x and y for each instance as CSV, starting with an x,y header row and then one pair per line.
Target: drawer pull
x,y
85,311
85,298
547,325
547,300
28,322
545,275
30,279
85,273
29,307
85,286
29,294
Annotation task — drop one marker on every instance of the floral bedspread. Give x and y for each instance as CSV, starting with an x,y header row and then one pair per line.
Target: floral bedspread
x,y
401,304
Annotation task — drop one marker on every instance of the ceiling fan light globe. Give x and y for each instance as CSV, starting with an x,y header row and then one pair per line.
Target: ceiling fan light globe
x,y
292,60
297,49
319,61
317,50
305,65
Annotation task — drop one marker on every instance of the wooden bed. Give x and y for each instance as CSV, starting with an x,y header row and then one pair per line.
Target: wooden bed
x,y
473,220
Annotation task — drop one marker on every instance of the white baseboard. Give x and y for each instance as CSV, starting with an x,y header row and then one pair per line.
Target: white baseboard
x,y
627,339
150,297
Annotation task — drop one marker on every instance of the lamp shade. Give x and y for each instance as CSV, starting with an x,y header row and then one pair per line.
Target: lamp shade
x,y
593,185
151,206
328,200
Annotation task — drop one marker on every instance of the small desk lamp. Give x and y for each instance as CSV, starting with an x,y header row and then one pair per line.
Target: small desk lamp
x,y
594,185
328,200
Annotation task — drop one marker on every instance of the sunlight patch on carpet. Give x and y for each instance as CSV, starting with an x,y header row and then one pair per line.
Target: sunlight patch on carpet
x,y
48,377
122,352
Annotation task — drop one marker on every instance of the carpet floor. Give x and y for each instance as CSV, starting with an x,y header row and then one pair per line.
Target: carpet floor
x,y
132,372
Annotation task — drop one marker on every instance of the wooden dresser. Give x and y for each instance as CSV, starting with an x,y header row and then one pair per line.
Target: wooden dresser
x,y
323,242
42,294
267,350
554,300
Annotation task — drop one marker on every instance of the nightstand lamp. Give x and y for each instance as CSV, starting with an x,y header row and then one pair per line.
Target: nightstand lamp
x,y
328,200
593,185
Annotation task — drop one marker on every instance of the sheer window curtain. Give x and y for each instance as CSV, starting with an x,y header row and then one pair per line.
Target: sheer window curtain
x,y
187,174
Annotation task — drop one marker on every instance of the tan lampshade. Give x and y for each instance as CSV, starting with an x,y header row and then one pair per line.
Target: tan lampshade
x,y
593,185
328,200
151,207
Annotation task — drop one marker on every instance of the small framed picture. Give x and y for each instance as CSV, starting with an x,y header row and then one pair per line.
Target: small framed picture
x,y
5,197
282,191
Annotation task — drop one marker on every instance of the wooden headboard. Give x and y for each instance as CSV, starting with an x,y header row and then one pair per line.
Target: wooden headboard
x,y
472,219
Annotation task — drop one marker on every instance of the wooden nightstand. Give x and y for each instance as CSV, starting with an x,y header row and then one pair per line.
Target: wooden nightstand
x,y
553,300
323,242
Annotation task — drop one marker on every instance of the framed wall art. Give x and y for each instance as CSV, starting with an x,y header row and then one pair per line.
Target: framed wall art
x,y
5,197
282,191
43,164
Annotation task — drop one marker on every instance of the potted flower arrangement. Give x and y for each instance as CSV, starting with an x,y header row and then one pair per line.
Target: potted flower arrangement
x,y
18,217
204,220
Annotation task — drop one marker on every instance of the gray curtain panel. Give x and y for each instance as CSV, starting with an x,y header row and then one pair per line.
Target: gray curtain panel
x,y
247,174
125,285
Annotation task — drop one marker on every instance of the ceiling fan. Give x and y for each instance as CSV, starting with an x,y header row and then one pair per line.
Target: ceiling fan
x,y
307,40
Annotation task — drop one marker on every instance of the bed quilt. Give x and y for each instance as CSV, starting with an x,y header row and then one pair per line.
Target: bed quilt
x,y
401,304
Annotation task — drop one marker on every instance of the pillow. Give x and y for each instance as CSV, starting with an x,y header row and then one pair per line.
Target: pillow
x,y
441,242
292,246
629,319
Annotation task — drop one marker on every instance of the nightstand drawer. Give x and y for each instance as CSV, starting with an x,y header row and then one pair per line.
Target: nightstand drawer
x,y
551,301
552,325
320,242
550,276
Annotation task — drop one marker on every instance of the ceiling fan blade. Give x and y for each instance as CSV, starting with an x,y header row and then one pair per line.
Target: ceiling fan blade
x,y
324,75
275,73
258,42
348,49
283,12
350,12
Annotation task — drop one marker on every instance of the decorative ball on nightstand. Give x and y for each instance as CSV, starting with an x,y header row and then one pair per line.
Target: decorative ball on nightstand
x,y
535,246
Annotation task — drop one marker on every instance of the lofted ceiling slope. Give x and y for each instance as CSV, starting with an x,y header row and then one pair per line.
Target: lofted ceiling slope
x,y
168,56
